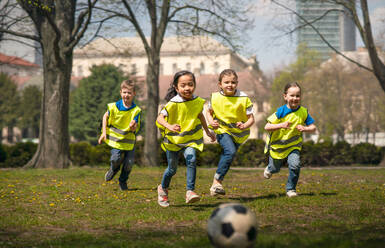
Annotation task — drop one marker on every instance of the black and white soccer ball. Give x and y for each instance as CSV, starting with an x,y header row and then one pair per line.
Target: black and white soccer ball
x,y
232,225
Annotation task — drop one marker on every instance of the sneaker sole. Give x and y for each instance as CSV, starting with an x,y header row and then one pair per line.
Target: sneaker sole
x,y
194,199
164,205
215,192
108,179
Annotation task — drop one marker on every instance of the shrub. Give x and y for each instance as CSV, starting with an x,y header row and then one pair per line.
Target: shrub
x,y
251,154
3,154
80,153
209,157
342,154
18,155
365,153
100,155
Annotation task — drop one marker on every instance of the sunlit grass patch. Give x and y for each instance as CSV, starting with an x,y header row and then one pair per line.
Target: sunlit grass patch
x,y
77,208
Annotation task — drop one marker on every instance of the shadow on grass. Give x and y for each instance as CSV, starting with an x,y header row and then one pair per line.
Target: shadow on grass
x,y
275,196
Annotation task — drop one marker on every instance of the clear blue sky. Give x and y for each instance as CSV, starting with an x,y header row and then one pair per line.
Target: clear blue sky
x,y
273,49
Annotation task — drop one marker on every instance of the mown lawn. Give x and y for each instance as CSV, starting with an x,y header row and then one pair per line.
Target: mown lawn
x,y
76,208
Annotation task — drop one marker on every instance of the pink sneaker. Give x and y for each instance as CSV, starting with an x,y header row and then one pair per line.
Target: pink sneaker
x,y
192,197
163,196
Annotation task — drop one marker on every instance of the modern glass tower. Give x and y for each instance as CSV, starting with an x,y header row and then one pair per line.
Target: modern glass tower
x,y
335,25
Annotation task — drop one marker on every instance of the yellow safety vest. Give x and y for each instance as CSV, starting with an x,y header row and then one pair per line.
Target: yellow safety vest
x,y
280,143
184,114
118,132
228,110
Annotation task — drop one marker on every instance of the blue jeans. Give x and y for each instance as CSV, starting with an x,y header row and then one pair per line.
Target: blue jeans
x,y
229,149
126,158
172,160
294,164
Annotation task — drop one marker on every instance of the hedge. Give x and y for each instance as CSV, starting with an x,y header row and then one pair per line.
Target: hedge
x,y
250,154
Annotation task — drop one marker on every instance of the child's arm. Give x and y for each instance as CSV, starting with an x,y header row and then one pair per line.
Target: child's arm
x,y
272,127
163,122
247,124
204,125
103,136
309,129
210,119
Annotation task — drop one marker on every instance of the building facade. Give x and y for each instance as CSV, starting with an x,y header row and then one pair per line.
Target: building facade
x,y
336,26
200,55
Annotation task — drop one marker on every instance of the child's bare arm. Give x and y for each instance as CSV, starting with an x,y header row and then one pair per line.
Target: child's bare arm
x,y
103,136
272,127
247,124
309,129
210,119
204,125
163,122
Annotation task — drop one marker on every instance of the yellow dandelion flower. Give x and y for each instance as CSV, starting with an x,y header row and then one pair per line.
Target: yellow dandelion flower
x,y
52,204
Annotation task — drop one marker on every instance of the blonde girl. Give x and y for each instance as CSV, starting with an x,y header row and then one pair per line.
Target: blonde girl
x,y
230,114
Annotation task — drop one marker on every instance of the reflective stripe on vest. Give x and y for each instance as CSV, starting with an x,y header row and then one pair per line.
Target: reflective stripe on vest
x,y
280,143
118,132
228,110
185,114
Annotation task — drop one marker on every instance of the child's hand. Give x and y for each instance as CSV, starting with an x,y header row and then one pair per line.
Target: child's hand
x,y
102,138
285,124
211,135
174,128
301,128
133,125
214,124
240,125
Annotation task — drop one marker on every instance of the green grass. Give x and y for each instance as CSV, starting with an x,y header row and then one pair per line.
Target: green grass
x,y
76,208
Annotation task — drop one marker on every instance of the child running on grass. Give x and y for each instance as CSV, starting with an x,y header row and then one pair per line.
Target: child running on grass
x,y
230,114
181,122
284,141
120,124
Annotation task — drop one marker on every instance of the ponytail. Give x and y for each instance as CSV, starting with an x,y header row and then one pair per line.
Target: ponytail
x,y
171,92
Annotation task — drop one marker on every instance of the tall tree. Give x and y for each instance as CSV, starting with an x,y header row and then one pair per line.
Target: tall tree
x,y
89,101
29,110
226,20
9,102
59,26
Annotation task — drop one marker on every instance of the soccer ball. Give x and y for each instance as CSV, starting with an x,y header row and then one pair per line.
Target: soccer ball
x,y
232,225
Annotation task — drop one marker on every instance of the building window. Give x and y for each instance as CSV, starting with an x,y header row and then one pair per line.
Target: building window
x,y
216,67
174,68
202,68
188,66
80,71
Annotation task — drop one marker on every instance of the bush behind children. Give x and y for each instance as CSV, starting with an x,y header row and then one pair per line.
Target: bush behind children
x,y
181,120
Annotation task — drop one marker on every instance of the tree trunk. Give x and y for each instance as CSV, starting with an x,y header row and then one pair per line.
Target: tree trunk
x,y
53,148
151,145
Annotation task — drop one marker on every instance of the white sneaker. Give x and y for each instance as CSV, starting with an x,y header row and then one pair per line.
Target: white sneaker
x,y
192,197
217,189
291,193
266,173
163,197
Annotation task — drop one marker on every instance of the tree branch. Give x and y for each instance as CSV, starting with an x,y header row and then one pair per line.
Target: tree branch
x,y
77,34
322,37
27,36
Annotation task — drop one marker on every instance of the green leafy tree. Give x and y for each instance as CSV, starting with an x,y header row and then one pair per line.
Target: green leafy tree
x,y
306,60
9,101
29,110
89,101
